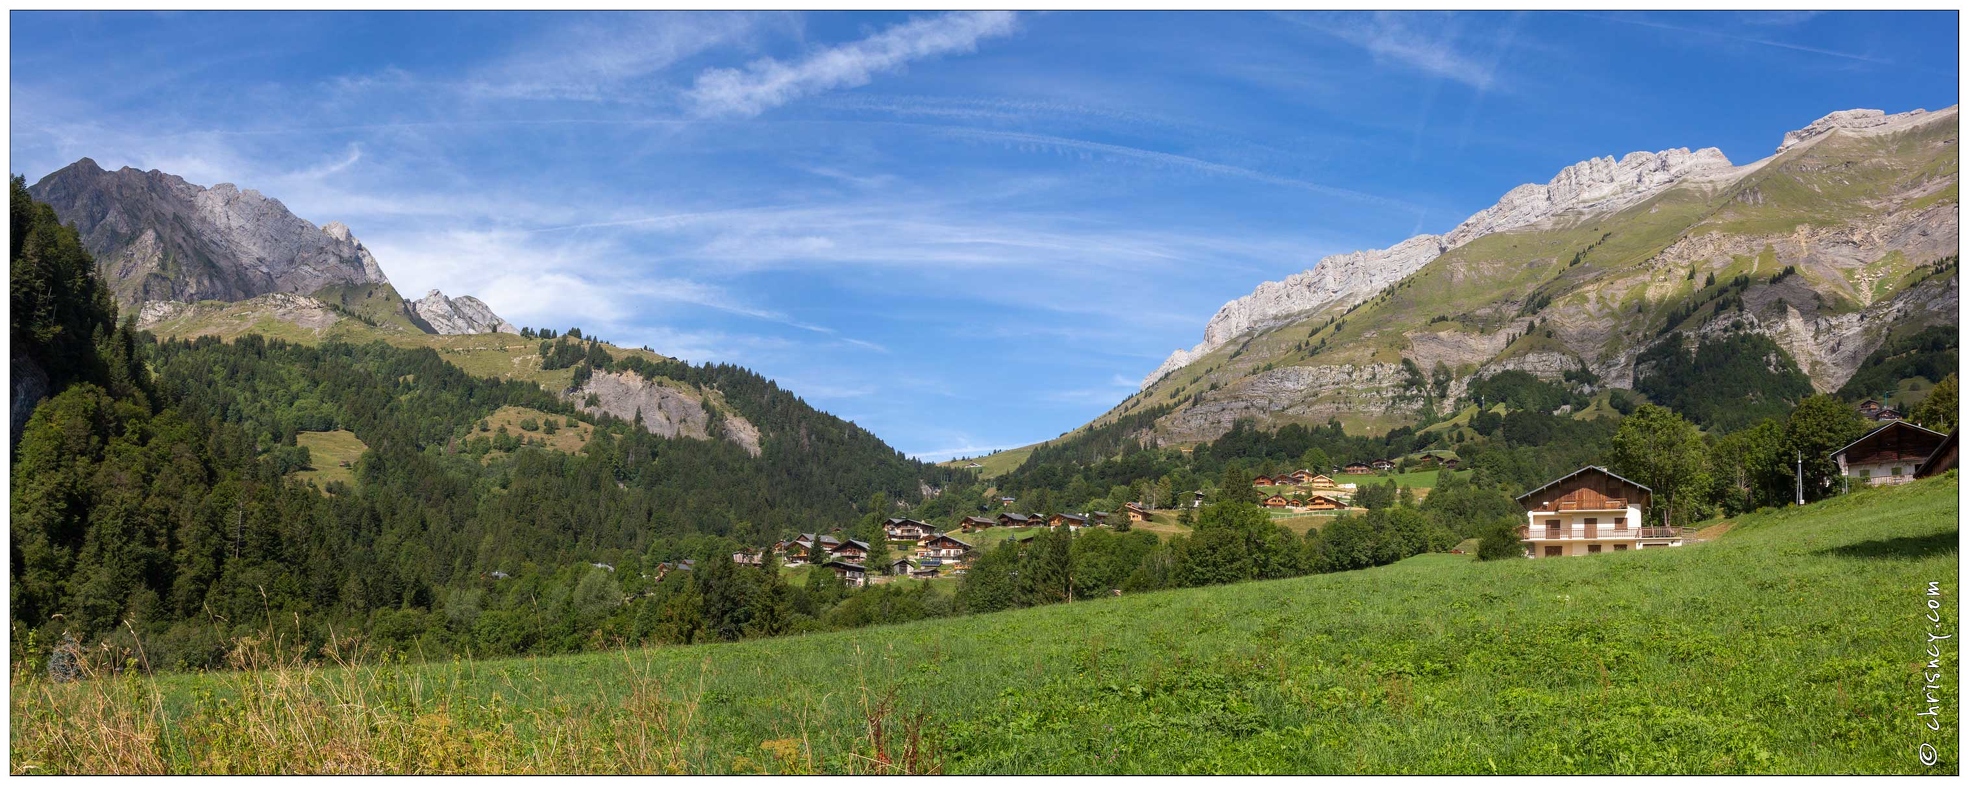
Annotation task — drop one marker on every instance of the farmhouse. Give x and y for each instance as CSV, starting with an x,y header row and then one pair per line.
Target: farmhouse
x,y
1382,465
942,547
1321,482
1276,501
900,567
1018,520
923,573
1590,511
1357,468
1261,480
1889,454
1072,521
1303,476
1869,408
1136,513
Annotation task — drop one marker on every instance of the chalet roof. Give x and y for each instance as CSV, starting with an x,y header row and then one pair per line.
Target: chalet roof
x,y
854,543
1893,424
1569,476
829,540
845,566
1356,463
937,538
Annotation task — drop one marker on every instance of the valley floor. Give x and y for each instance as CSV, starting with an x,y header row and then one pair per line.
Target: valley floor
x,y
1795,642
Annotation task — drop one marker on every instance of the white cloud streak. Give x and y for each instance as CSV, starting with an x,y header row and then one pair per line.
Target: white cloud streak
x,y
767,83
1392,37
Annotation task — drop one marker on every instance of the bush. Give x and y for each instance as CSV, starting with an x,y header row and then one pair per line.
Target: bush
x,y
1499,540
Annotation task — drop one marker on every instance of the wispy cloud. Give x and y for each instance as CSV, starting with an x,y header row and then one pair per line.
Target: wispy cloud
x,y
767,83
608,57
1399,38
1747,39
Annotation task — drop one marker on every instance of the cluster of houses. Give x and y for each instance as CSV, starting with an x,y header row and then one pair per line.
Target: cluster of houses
x,y
1872,409
1320,492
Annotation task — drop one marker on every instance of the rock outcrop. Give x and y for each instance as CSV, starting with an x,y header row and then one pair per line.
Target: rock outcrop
x,y
460,315
28,386
667,410
1863,121
157,237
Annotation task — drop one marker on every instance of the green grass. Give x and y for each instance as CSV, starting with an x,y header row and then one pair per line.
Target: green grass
x,y
997,463
1794,643
326,452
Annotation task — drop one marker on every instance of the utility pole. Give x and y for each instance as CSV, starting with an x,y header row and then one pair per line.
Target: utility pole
x,y
1800,476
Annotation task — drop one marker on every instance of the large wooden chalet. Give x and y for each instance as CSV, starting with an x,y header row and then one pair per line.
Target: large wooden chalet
x,y
1357,468
853,551
975,523
1590,511
906,529
1018,520
1889,454
942,547
1136,513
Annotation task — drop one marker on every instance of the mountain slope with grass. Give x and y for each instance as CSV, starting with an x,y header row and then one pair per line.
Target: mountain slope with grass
x,y
1795,642
1809,261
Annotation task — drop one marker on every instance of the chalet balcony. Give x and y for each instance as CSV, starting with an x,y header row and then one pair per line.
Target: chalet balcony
x,y
1541,534
1605,504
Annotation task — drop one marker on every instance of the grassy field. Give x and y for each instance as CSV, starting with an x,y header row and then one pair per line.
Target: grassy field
x,y
997,463
326,452
1793,643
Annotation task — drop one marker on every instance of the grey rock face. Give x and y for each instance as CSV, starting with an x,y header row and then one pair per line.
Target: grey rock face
x,y
459,315
157,237
28,387
666,411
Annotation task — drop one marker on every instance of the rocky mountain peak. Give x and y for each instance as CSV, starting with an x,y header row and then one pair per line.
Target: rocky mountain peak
x,y
1857,120
460,315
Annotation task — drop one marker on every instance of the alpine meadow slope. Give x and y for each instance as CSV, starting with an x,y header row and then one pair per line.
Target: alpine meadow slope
x,y
1793,643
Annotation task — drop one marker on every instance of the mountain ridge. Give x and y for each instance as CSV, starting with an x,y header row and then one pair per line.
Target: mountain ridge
x,y
1596,185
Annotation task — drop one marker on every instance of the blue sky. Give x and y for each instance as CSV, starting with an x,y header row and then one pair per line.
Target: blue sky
x,y
962,231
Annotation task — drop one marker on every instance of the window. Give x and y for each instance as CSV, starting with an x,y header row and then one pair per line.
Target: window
x,y
1859,472
1620,524
1897,472
1593,549
1555,551
1619,547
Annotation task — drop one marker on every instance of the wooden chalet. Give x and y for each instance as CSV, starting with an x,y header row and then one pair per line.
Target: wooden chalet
x,y
1016,520
1097,517
1323,502
1869,408
1887,413
1136,513
1006,502
855,575
1071,520
1889,454
748,558
1382,465
1303,476
1591,511
975,523
900,567
853,551
1942,460
906,529
924,573
1295,502
1262,480
1321,482
942,547
1357,468
1451,463
1276,501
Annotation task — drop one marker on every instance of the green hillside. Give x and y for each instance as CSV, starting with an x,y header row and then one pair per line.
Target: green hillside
x,y
1793,643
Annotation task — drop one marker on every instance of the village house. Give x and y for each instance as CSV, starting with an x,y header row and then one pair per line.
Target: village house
x,y
1097,517
1303,476
1321,482
1869,408
1295,502
855,575
1016,520
1006,502
942,547
900,567
853,551
793,554
1382,465
1889,454
975,523
1261,480
906,529
1357,468
1590,511
1276,501
666,568
923,573
1136,513
1450,463
1323,502
747,557
1887,413
1072,521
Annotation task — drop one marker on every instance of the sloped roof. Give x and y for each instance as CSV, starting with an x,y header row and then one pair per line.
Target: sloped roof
x,y
1884,427
1569,476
